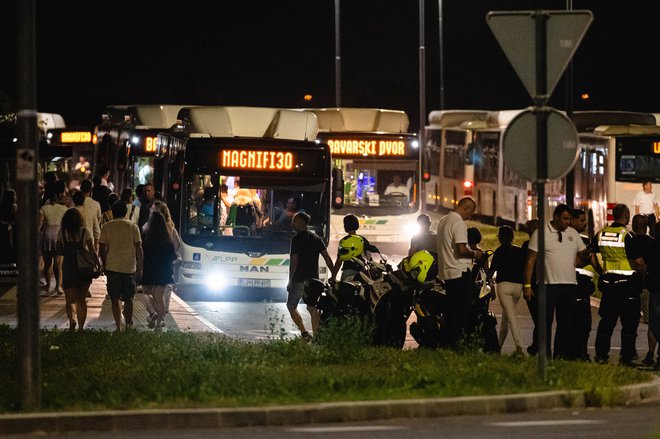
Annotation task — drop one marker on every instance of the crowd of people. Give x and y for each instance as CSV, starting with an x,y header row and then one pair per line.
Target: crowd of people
x,y
130,237
624,265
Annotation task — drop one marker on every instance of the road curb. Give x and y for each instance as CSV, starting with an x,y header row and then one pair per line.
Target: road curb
x,y
359,411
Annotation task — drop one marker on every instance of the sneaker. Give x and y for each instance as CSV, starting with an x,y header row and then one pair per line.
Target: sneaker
x,y
306,336
151,320
648,360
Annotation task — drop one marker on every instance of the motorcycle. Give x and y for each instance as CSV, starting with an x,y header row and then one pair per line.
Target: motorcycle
x,y
431,308
376,294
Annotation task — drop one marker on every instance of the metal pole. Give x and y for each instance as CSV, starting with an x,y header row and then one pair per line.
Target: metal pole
x,y
542,173
337,55
570,177
422,100
27,152
441,50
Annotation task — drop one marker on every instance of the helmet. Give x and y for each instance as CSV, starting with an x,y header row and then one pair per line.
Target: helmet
x,y
419,264
350,246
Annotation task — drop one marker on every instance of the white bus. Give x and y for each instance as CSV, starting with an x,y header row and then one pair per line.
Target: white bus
x,y
448,156
126,142
374,151
633,150
270,156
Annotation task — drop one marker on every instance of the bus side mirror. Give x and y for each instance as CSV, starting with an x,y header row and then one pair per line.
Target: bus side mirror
x,y
337,188
426,166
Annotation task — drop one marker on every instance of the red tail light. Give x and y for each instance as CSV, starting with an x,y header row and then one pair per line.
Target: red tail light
x,y
610,216
467,187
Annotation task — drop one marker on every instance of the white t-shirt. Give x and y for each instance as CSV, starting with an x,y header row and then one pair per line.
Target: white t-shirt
x,y
646,202
559,256
451,231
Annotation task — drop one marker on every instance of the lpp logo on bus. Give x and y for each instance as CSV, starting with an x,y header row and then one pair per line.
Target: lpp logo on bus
x,y
656,147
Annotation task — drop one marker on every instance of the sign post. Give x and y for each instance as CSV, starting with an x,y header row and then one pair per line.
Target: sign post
x,y
539,45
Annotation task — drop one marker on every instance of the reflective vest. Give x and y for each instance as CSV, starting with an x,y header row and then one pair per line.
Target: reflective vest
x,y
611,243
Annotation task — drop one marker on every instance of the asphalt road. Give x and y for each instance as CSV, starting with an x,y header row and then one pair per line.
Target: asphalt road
x,y
637,422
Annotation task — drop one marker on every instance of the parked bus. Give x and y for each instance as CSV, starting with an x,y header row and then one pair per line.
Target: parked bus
x,y
633,149
379,161
448,156
269,156
126,143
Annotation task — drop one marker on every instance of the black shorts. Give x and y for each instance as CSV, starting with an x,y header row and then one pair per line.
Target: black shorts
x,y
121,286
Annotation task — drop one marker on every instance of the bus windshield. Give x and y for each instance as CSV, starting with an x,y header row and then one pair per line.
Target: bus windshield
x,y
231,214
374,187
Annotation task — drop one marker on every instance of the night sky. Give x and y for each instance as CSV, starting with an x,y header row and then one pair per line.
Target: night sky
x,y
271,53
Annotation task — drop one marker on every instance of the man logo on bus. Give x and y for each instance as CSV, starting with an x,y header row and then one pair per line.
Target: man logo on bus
x,y
254,269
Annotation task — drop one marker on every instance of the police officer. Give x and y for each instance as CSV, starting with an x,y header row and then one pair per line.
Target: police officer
x,y
620,283
585,288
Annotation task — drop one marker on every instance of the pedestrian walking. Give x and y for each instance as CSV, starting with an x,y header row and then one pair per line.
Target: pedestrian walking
x,y
306,247
146,200
620,283
454,267
585,288
128,197
646,204
159,255
351,266
120,248
50,219
73,237
91,212
507,269
563,252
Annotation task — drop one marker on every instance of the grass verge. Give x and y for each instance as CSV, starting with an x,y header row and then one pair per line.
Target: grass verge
x,y
94,370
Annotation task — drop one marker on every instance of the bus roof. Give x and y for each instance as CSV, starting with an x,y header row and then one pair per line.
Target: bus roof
x,y
586,121
456,118
48,121
155,116
626,130
256,122
364,120
501,119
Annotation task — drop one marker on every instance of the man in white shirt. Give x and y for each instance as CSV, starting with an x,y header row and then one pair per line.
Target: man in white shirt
x,y
396,187
454,267
91,210
646,204
564,251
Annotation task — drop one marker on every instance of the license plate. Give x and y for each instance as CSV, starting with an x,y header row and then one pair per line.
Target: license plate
x,y
261,283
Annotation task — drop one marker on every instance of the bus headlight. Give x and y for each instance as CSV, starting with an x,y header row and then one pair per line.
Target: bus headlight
x,y
411,229
215,281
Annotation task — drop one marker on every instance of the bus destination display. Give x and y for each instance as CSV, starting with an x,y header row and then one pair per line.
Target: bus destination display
x,y
367,147
76,137
258,160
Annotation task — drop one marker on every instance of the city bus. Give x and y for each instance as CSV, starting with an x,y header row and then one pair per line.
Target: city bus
x,y
126,143
633,149
448,156
269,155
380,164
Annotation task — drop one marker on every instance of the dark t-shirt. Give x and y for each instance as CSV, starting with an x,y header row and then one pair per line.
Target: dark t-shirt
x,y
652,259
509,264
158,258
308,246
426,240
100,193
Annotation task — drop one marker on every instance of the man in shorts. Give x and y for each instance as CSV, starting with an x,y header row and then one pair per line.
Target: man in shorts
x,y
120,249
306,247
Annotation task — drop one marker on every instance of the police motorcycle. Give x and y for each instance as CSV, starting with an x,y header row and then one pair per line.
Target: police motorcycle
x,y
376,293
430,307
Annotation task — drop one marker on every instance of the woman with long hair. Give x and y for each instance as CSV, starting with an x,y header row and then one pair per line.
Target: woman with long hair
x,y
50,218
72,236
8,227
158,257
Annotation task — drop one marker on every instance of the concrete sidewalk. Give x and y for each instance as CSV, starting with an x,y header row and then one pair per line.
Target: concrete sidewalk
x,y
99,312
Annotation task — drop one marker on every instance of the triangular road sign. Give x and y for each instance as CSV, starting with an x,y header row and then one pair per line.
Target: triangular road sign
x,y
515,31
